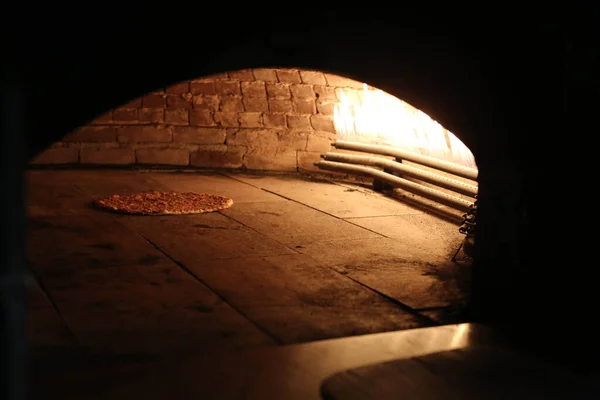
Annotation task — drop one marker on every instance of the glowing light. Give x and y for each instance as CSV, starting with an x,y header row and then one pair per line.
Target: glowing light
x,y
461,336
375,116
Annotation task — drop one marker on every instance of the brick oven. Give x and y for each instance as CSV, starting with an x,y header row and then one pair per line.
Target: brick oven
x,y
261,119
123,103
257,119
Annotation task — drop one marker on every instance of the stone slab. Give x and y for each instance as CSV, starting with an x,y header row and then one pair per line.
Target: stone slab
x,y
149,309
394,269
200,237
295,224
58,246
44,325
337,200
215,184
429,234
297,300
105,183
49,194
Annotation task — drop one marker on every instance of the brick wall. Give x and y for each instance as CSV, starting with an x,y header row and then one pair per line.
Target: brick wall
x,y
260,119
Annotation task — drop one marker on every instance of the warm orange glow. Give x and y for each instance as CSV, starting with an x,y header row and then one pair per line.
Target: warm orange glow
x,y
375,116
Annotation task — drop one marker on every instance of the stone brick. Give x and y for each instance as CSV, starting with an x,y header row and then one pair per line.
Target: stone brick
x,y
154,101
279,162
251,120
305,107
299,122
313,78
200,117
206,102
92,134
274,120
182,146
188,134
326,108
302,92
143,134
228,88
306,160
135,103
105,118
218,157
125,115
227,119
256,104
203,88
280,105
325,94
265,74
177,116
278,90
94,145
242,75
179,101
353,95
322,123
254,89
178,88
318,143
232,104
295,140
288,76
162,156
340,81
118,156
58,155
217,76
264,140
152,115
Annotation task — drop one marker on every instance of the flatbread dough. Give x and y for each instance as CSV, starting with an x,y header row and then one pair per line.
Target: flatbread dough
x,y
164,203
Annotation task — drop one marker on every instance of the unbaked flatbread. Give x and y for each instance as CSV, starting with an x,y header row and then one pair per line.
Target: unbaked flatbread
x,y
164,203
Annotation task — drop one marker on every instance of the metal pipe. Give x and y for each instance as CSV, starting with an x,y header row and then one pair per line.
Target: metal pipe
x,y
459,170
441,181
432,194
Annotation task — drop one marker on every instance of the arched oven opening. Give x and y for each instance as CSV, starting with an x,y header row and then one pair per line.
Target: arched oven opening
x,y
353,213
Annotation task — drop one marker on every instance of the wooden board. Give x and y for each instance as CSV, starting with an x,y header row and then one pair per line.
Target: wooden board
x,y
477,373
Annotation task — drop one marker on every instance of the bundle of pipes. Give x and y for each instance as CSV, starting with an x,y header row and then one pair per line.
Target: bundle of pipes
x,y
361,165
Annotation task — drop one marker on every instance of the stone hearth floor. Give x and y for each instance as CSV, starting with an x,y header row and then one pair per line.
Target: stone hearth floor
x,y
293,260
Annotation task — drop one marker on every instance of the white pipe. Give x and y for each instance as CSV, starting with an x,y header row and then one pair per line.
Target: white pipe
x,y
442,181
441,197
459,170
